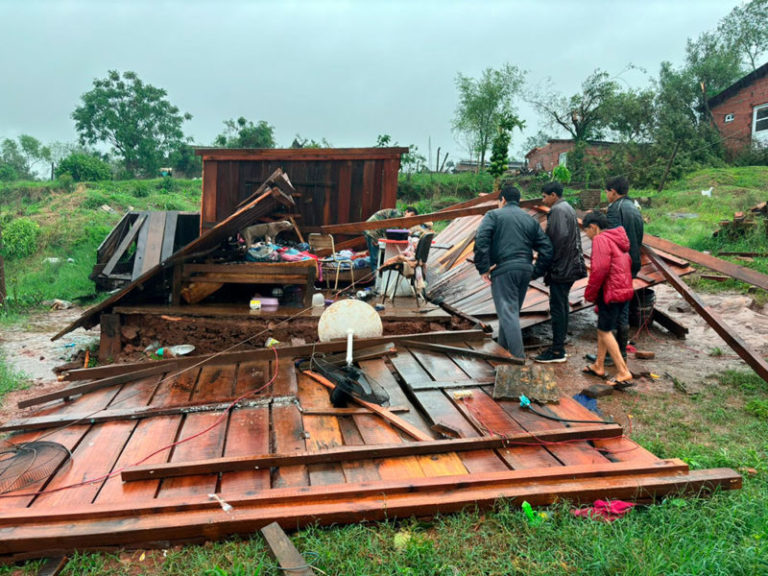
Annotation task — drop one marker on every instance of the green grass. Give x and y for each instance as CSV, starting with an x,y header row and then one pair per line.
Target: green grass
x,y
10,380
72,226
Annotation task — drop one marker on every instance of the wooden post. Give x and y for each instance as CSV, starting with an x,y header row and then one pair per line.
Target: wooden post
x,y
109,345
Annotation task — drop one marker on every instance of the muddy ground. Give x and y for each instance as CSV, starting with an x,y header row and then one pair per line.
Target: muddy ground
x,y
679,365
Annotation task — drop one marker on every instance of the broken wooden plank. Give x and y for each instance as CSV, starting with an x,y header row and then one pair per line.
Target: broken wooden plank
x,y
98,384
284,552
752,358
215,523
393,419
418,385
741,273
124,244
269,354
665,320
406,221
349,453
452,350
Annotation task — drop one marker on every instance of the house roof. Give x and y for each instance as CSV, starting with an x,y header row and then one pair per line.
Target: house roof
x,y
737,86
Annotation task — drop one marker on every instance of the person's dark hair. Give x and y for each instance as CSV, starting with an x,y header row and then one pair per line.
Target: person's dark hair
x,y
411,209
595,217
553,188
509,192
619,184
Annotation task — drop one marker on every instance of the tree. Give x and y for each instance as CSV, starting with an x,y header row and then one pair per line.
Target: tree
x,y
300,142
242,133
84,167
135,118
483,103
746,29
583,115
500,147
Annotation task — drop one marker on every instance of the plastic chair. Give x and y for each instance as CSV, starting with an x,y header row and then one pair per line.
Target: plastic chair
x,y
319,243
418,262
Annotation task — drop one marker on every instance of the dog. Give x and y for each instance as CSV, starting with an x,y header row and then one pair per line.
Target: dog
x,y
268,231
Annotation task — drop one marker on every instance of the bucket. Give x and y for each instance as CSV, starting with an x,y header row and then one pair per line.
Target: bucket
x,y
641,307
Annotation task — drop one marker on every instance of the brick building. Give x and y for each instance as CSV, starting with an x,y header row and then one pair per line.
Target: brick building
x,y
555,152
740,112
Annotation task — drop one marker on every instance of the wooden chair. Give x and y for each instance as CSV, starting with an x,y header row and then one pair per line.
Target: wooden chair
x,y
322,244
418,262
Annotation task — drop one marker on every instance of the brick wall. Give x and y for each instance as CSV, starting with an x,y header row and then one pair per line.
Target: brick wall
x,y
548,156
738,133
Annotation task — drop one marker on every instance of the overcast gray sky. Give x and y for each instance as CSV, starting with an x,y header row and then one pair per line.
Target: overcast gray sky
x,y
344,71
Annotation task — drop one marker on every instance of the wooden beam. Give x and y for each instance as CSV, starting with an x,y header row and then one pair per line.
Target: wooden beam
x,y
268,354
741,273
393,419
669,323
406,221
752,358
58,420
124,244
350,453
453,350
99,384
284,552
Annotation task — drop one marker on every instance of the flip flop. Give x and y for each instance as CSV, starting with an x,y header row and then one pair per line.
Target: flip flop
x,y
590,372
621,384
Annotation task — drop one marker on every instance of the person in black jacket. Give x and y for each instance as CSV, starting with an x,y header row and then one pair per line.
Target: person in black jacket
x,y
567,266
622,211
504,245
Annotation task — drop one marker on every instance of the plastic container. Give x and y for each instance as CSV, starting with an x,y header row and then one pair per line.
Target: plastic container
x,y
318,300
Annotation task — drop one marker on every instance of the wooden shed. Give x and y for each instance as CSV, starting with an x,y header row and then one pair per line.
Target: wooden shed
x,y
334,185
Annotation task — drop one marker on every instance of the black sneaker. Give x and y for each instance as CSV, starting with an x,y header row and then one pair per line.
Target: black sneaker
x,y
550,356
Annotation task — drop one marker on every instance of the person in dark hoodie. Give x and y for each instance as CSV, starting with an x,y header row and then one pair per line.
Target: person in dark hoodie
x,y
504,245
610,287
567,267
623,212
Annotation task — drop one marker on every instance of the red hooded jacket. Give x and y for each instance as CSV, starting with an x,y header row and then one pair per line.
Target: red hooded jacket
x,y
611,267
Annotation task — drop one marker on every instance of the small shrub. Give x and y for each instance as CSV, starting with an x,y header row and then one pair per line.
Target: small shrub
x,y
8,173
140,189
94,199
66,182
20,238
561,174
84,167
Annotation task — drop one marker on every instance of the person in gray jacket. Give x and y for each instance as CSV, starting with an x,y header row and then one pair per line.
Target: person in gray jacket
x,y
567,266
504,245
623,212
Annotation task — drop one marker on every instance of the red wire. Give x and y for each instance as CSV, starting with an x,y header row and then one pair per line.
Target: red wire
x,y
218,421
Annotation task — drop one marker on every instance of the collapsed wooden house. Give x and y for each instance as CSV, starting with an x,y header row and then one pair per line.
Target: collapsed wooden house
x,y
197,448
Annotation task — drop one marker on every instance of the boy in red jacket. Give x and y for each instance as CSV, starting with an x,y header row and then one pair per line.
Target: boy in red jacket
x,y
609,286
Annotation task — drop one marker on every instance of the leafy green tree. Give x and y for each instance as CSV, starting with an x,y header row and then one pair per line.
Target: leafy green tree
x,y
13,161
583,115
483,103
184,161
84,167
746,29
135,118
242,133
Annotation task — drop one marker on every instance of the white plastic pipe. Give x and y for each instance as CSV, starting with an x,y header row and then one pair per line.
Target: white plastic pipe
x,y
350,332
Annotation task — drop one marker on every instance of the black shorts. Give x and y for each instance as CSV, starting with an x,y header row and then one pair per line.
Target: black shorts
x,y
608,315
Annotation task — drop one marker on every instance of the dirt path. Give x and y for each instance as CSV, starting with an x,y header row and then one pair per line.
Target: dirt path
x,y
679,364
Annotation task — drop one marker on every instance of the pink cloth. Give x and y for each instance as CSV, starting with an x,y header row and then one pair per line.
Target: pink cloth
x,y
605,510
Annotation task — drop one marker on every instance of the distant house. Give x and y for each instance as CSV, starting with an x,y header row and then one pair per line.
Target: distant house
x,y
740,112
468,166
555,153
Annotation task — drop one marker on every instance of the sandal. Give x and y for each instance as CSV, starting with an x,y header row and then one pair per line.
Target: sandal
x,y
590,372
621,384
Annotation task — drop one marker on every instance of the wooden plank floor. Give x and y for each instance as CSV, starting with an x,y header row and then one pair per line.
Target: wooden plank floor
x,y
284,412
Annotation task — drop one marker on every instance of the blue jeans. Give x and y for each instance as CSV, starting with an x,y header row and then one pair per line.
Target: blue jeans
x,y
373,250
508,289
